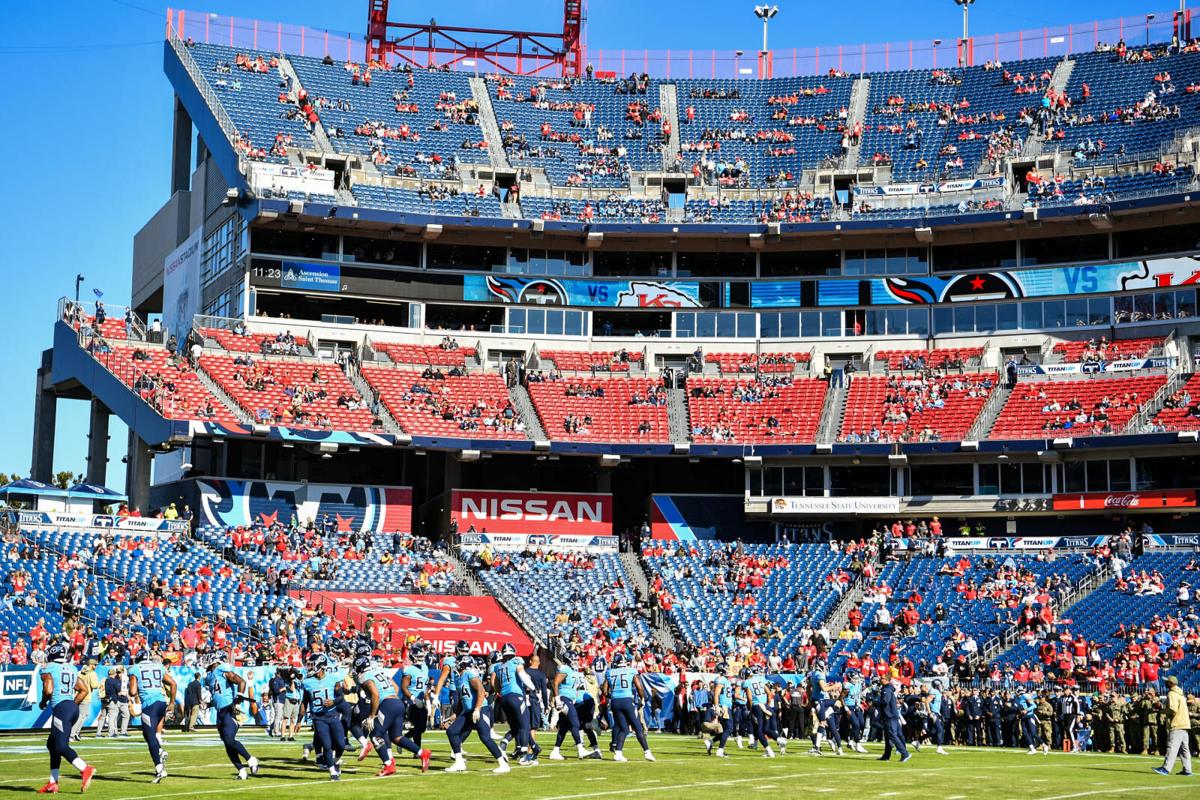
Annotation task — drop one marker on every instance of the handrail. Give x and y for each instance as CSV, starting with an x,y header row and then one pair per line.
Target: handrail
x,y
1005,641
158,400
210,97
1140,422
995,399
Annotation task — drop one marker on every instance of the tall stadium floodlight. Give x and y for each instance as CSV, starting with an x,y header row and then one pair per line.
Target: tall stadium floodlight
x,y
1149,19
962,44
765,13
79,279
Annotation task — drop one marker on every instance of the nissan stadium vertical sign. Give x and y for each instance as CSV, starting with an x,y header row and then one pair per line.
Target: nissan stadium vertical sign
x,y
181,287
514,520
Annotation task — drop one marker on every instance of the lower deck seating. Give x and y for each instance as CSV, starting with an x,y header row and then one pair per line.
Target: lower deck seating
x,y
602,410
936,604
1073,408
769,592
576,598
337,560
166,382
1123,615
298,393
772,409
941,358
593,361
893,409
475,405
1181,411
1103,350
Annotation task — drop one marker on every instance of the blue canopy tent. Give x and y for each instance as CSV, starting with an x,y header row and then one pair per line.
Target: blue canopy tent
x,y
35,495
82,497
88,497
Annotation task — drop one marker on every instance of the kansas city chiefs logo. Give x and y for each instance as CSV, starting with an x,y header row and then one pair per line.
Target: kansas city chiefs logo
x,y
649,294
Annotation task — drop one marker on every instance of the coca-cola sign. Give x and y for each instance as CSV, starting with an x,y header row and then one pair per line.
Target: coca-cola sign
x,y
1134,501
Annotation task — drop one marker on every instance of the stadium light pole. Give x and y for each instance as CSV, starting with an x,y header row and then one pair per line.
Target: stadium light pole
x,y
78,282
962,43
765,13
1149,19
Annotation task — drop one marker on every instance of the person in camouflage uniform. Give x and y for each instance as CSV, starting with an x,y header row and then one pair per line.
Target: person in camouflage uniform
x,y
1193,702
1045,716
1139,716
1119,713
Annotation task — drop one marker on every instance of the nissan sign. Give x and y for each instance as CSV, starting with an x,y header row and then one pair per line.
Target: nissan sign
x,y
531,512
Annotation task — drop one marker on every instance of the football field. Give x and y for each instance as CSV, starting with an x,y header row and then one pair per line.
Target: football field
x,y
198,768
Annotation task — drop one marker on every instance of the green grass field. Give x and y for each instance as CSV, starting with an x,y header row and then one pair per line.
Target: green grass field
x,y
198,768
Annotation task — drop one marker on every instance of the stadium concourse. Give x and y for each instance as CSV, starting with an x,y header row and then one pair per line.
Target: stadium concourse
x,y
614,418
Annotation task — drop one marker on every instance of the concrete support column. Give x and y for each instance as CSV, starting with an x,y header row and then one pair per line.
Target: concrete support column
x,y
45,416
97,457
138,466
181,150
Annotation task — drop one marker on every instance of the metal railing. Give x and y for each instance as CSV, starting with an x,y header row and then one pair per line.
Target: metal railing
x,y
206,91
1140,422
987,414
1000,644
137,380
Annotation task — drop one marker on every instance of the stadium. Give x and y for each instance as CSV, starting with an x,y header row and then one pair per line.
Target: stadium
x,y
808,403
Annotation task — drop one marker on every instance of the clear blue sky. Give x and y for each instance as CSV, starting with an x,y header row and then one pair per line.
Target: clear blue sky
x,y
87,122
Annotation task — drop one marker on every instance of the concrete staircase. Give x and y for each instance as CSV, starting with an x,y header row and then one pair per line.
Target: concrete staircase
x,y
320,136
356,379
641,586
999,645
219,393
831,414
1034,144
677,415
523,403
857,113
487,121
668,102
989,413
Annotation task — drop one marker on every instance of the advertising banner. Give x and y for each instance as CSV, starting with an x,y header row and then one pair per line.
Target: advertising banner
x,y
439,619
1125,501
20,692
130,526
311,277
227,503
644,293
941,187
280,179
531,512
1172,540
835,505
1093,367
518,542
961,543
181,287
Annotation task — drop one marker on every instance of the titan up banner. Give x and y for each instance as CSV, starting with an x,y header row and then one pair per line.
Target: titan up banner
x,y
439,619
531,512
